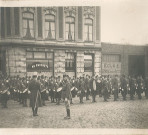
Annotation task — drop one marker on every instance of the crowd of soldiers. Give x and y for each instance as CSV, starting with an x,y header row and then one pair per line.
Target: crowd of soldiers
x,y
84,87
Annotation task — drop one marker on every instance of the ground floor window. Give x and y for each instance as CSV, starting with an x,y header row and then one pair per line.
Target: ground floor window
x,y
70,62
39,61
88,63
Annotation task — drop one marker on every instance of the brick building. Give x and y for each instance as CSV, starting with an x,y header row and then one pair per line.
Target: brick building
x,y
124,59
50,41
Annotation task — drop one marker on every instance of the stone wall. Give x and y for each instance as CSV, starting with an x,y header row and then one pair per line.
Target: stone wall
x,y
16,61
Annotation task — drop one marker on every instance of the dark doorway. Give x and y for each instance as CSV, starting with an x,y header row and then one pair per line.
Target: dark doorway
x,y
136,64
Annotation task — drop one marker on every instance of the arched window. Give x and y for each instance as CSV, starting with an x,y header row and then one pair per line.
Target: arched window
x,y
28,25
70,28
50,26
88,28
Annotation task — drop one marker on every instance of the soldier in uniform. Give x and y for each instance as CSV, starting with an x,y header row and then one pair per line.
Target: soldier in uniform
x,y
123,87
140,87
87,79
66,95
35,97
115,87
82,89
105,84
52,89
93,88
146,87
4,94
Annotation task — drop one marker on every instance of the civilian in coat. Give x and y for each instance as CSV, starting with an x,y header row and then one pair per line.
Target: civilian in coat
x,y
93,89
35,97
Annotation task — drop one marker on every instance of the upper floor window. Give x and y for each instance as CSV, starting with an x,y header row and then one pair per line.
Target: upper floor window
x,y
28,25
88,29
50,26
70,28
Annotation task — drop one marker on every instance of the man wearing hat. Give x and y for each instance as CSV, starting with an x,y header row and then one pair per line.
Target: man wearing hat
x,y
35,97
66,95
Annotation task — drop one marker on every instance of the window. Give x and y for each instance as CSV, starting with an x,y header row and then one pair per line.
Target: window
x,y
70,62
88,63
28,25
70,28
39,61
88,28
49,26
111,58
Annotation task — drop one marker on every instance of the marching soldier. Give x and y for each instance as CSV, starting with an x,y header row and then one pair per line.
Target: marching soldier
x,y
35,97
87,79
66,95
43,93
52,89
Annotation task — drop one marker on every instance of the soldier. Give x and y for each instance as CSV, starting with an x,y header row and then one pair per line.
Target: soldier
x,y
58,88
66,95
115,87
146,87
140,87
93,88
4,94
105,89
99,86
24,93
123,87
35,97
82,89
133,86
52,89
86,80
43,93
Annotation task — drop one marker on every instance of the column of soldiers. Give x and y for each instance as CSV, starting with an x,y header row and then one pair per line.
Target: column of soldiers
x,y
84,87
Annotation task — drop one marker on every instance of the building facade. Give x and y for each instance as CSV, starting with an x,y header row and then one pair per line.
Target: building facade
x,y
51,41
120,59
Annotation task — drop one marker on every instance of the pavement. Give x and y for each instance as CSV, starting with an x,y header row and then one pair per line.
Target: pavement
x,y
112,114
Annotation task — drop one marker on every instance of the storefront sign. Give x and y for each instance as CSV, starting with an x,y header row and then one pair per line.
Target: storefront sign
x,y
111,68
37,66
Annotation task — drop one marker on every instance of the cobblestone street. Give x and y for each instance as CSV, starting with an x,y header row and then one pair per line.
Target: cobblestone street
x,y
120,114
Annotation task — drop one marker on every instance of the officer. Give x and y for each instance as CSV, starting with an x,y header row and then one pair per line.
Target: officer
x,y
66,95
35,97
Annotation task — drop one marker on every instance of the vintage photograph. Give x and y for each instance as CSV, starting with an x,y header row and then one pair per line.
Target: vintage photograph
x,y
74,66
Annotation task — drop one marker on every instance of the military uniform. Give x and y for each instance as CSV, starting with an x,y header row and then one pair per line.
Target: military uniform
x,y
66,95
105,86
123,87
146,87
115,88
82,89
35,97
93,89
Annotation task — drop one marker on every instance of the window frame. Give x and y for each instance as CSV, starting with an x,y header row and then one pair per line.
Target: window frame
x,y
88,25
68,69
69,23
49,22
92,67
28,19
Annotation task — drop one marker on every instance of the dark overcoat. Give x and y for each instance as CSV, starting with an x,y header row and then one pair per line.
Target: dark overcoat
x,y
35,96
